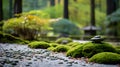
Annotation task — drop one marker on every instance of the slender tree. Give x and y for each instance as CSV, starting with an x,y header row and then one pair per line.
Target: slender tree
x,y
10,8
17,6
66,11
92,12
1,11
111,6
52,2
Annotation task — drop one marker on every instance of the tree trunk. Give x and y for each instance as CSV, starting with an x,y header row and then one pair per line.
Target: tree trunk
x,y
66,11
111,6
52,2
1,11
93,12
17,6
10,8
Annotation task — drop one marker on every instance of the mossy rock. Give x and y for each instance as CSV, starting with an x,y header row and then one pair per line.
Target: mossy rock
x,y
73,44
106,58
61,48
63,40
91,49
39,44
76,52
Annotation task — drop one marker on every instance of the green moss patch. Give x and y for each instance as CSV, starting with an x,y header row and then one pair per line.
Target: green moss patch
x,y
106,58
76,52
8,38
61,48
93,48
39,44
63,40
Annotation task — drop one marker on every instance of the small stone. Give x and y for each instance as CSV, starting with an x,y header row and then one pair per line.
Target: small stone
x,y
60,63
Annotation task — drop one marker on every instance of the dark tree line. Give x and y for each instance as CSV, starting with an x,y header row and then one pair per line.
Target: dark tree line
x,y
1,11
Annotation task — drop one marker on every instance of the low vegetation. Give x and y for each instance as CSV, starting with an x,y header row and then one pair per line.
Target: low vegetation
x,y
39,44
106,58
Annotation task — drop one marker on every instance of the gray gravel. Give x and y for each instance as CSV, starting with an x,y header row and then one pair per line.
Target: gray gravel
x,y
15,55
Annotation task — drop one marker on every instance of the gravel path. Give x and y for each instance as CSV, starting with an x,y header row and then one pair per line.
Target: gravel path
x,y
22,56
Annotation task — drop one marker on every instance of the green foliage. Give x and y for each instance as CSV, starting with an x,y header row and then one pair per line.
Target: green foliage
x,y
63,40
65,26
112,22
26,27
73,44
38,13
55,11
39,44
61,48
106,58
93,48
76,52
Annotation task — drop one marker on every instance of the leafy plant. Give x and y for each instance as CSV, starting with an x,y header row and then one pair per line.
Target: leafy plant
x,y
27,27
65,26
106,58
112,22
39,44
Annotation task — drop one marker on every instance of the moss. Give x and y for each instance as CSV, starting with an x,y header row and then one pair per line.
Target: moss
x,y
93,48
63,40
51,48
61,48
106,58
53,44
73,44
7,38
76,52
39,44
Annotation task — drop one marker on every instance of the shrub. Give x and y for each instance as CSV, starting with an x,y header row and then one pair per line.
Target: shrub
x,y
63,40
65,27
26,27
73,44
106,58
76,52
39,44
61,48
93,48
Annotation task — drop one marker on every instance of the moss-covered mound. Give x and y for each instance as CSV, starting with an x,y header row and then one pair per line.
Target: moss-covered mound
x,y
89,49
53,44
7,38
63,40
61,48
106,58
73,44
51,48
39,44
76,52
93,48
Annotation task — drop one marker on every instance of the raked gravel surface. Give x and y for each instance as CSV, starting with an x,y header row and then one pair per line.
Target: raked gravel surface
x,y
15,55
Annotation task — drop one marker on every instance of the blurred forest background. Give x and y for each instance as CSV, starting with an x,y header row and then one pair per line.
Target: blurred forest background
x,y
49,11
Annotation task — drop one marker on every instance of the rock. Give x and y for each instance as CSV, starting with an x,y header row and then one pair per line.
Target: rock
x,y
60,62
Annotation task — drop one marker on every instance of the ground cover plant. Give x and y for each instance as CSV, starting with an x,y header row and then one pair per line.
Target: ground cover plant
x,y
39,44
106,58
